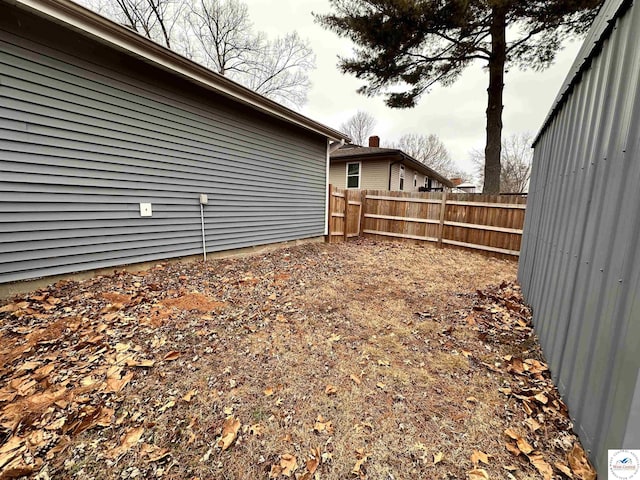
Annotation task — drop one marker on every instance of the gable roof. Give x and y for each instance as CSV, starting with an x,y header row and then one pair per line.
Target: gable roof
x,y
349,152
91,24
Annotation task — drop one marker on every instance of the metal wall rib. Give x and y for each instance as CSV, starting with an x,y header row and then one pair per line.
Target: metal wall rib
x,y
580,262
87,133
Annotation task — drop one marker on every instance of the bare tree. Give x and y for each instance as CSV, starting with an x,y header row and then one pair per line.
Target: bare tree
x,y
516,158
218,34
429,150
359,127
224,34
154,19
227,44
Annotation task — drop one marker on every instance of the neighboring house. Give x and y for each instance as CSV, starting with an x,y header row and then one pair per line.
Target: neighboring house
x,y
462,187
108,139
375,168
580,261
467,187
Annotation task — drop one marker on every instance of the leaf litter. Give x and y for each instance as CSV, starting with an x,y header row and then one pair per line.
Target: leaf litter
x,y
317,361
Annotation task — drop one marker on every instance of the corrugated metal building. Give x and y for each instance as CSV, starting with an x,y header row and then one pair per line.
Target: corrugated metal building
x,y
95,120
580,261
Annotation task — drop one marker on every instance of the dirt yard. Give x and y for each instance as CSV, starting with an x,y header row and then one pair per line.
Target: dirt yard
x,y
368,360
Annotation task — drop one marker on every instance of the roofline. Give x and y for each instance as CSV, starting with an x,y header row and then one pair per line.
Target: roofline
x,y
83,20
599,32
409,159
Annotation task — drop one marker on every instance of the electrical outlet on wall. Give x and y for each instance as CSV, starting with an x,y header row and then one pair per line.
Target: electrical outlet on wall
x,y
145,210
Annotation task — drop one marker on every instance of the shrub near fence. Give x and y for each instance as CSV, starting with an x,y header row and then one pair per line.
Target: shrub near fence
x,y
491,223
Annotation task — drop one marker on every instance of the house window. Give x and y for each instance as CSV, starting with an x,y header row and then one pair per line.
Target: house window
x,y
415,180
353,175
401,177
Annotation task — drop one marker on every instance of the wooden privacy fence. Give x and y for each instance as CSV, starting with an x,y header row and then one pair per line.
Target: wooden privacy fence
x,y
491,223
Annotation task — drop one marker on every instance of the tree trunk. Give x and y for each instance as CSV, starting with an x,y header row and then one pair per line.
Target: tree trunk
x,y
494,109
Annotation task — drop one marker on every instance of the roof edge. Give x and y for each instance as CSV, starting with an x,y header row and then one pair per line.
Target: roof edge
x,y
599,32
81,19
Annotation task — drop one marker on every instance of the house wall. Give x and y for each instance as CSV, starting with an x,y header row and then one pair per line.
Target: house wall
x,y
580,261
87,133
374,175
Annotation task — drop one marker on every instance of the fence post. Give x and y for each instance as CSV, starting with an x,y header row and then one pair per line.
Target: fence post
x,y
443,208
363,204
330,216
347,193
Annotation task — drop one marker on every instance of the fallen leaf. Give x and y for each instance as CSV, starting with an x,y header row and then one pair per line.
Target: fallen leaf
x,y
438,457
189,395
472,400
227,410
541,465
153,452
523,445
532,424
116,384
140,363
356,468
564,469
579,463
289,464
172,356
330,390
129,440
355,379
381,385
323,425
313,463
478,474
268,391
229,433
513,449
478,456
542,398
384,363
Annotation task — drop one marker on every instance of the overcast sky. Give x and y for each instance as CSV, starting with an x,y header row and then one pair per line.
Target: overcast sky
x,y
456,113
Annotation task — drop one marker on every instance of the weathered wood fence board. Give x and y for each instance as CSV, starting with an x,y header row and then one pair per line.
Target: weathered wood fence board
x,y
489,223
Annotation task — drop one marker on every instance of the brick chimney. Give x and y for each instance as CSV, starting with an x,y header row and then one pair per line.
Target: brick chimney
x,y
374,141
456,181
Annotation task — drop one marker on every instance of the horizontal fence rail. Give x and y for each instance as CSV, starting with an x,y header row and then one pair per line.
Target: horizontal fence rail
x,y
490,223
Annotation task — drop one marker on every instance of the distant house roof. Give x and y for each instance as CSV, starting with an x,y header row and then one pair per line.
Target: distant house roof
x,y
88,23
355,151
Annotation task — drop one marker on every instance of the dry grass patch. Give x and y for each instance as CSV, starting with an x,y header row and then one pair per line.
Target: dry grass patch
x,y
320,361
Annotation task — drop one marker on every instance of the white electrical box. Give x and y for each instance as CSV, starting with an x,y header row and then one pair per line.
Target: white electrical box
x,y
145,210
204,199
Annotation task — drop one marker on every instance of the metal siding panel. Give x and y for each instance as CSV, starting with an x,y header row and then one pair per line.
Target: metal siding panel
x,y
82,144
580,265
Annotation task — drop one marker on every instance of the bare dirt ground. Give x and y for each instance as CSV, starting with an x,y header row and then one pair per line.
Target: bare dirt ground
x,y
367,360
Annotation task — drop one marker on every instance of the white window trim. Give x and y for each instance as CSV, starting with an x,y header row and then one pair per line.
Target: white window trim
x,y
415,180
346,183
401,179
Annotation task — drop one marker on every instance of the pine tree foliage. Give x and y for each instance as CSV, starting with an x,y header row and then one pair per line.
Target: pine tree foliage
x,y
403,47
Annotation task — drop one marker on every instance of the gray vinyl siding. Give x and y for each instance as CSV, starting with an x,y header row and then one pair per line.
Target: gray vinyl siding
x,y
580,261
86,134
